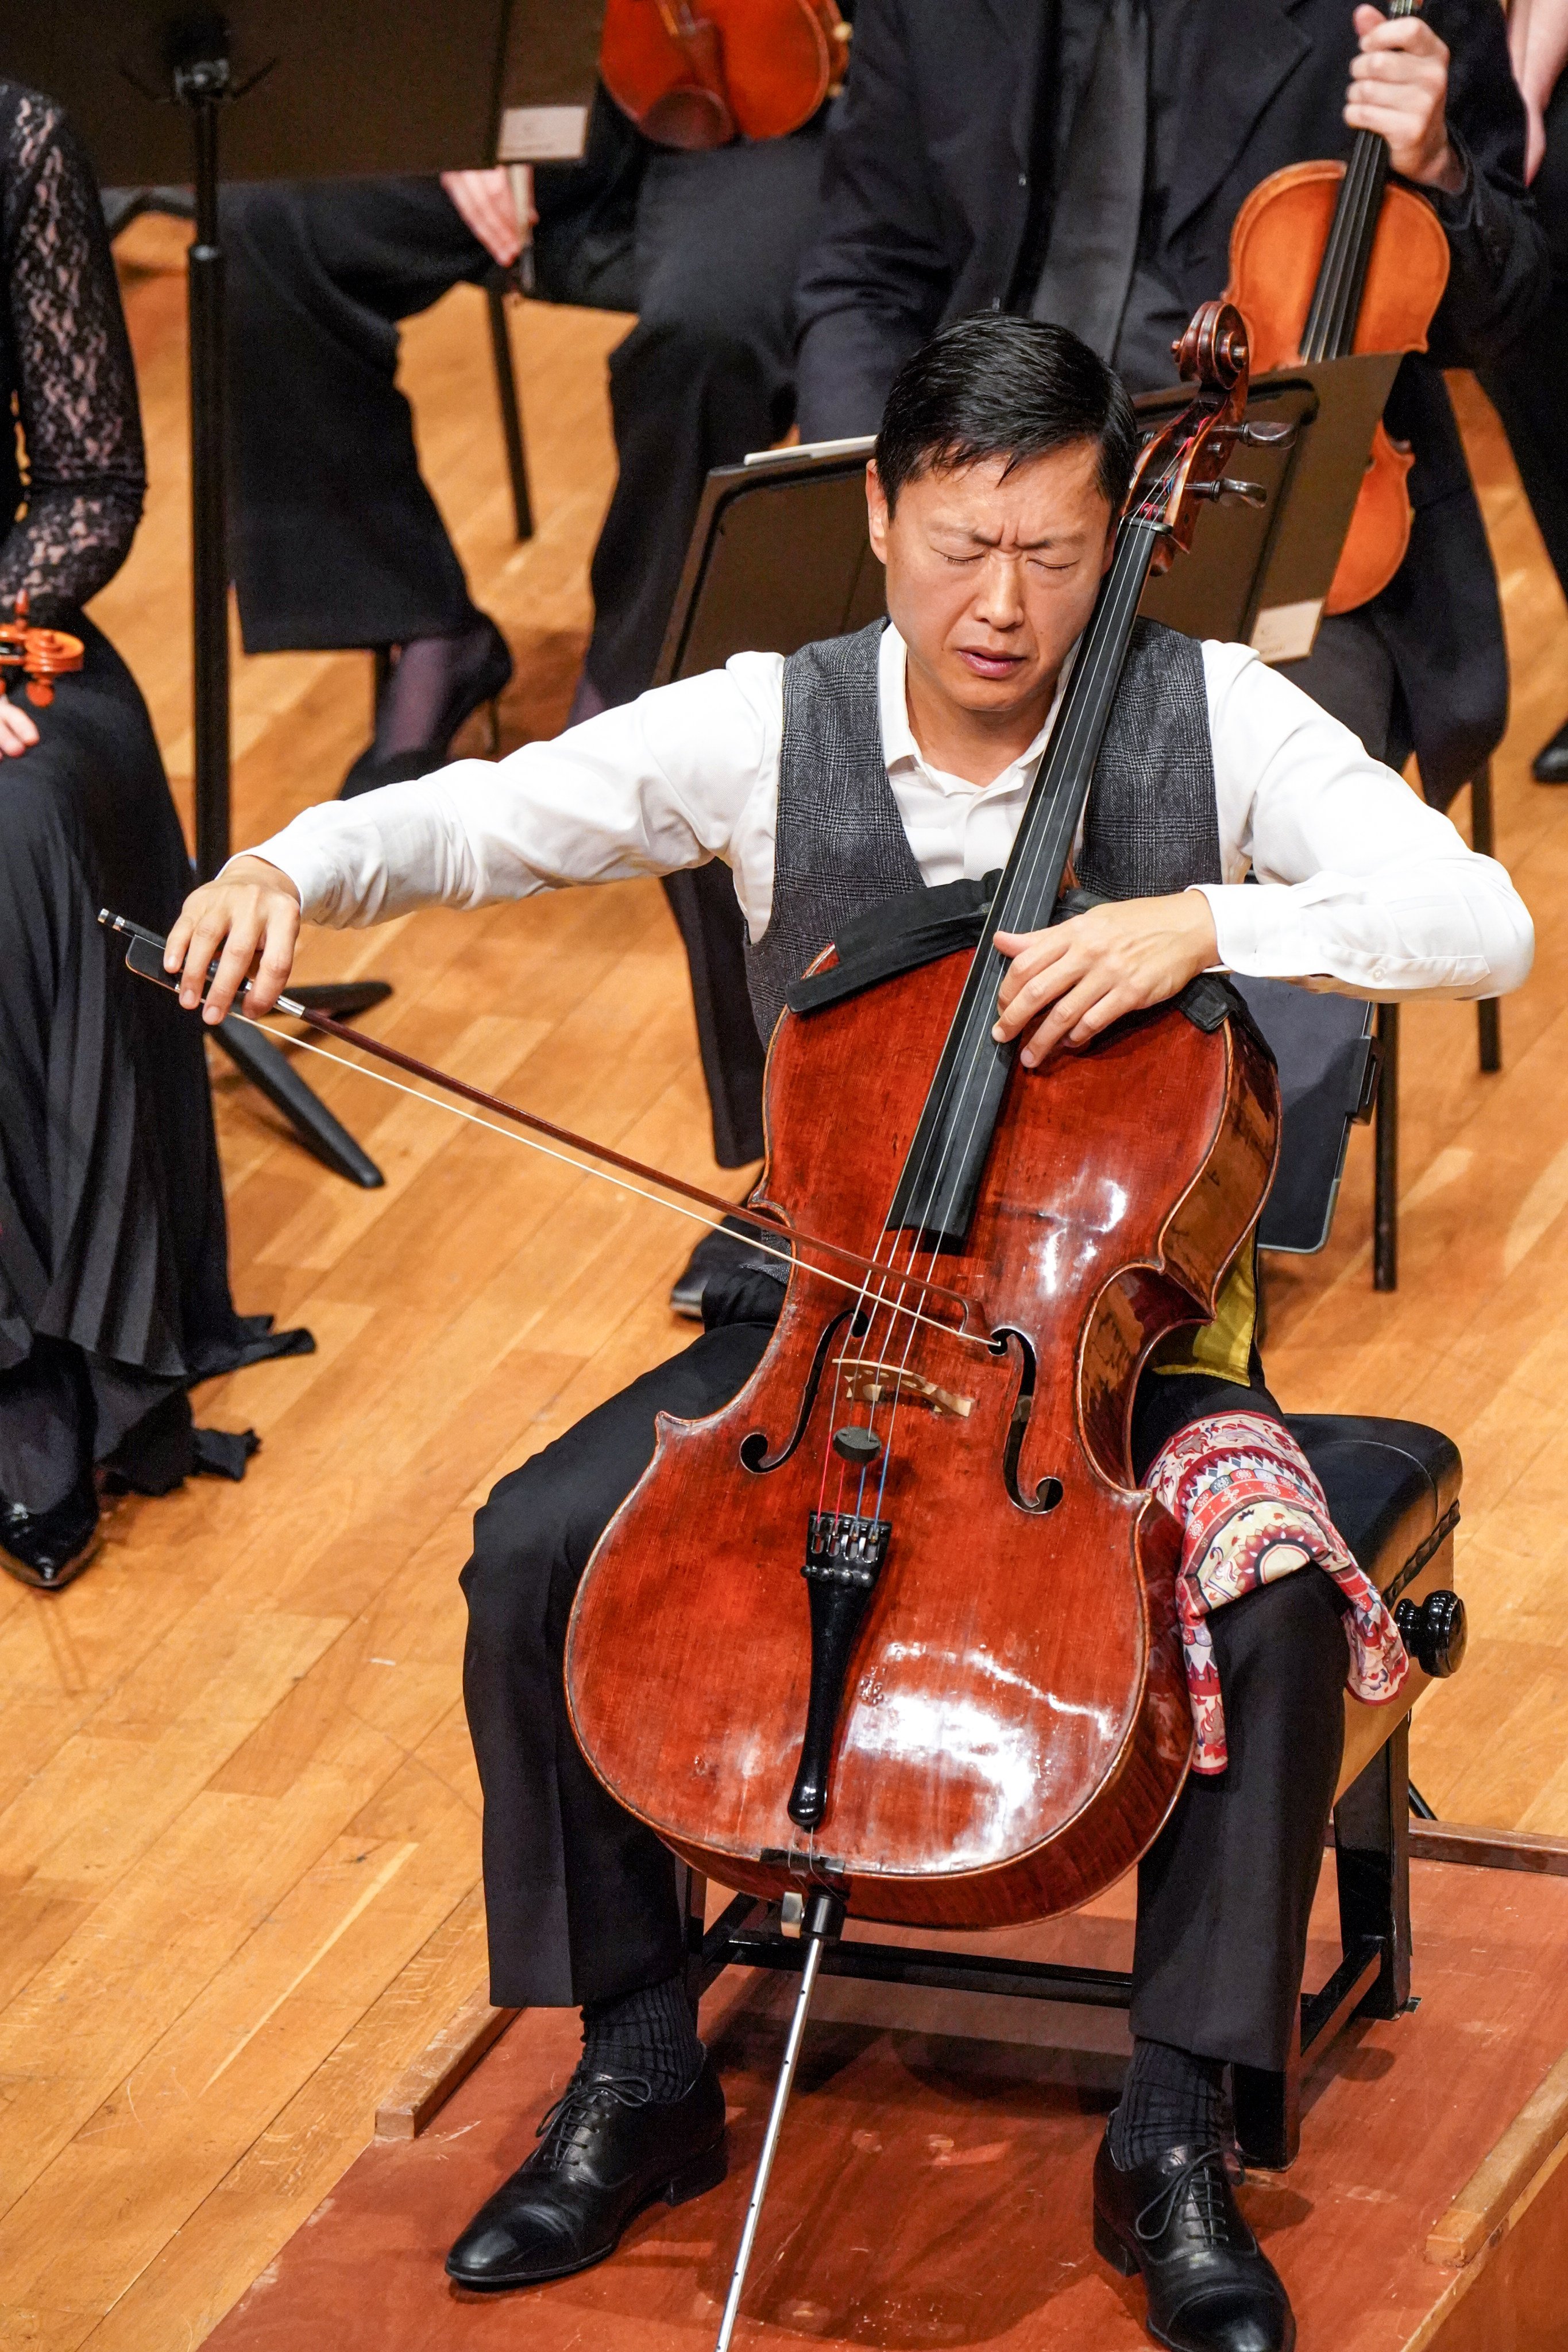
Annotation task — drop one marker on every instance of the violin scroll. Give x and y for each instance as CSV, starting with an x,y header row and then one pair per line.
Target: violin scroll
x,y
40,656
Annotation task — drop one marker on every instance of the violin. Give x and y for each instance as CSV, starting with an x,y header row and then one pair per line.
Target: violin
x,y
1325,259
697,76
897,1624
37,656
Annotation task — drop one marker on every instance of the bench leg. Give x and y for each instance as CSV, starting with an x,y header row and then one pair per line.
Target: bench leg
x,y
1267,2111
691,1889
1372,1861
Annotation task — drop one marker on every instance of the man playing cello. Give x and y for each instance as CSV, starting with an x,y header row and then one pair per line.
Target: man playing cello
x,y
826,782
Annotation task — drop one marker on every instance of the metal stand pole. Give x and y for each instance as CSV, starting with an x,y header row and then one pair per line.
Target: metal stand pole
x,y
1489,1010
201,87
1385,1137
823,1919
203,84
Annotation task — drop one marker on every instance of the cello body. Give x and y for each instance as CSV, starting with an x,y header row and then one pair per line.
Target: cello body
x,y
1277,249
1014,1725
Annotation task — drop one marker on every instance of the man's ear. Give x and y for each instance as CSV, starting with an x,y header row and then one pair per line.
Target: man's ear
x,y
877,516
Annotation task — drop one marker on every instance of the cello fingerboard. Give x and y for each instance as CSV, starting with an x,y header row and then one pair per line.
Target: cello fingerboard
x,y
940,1180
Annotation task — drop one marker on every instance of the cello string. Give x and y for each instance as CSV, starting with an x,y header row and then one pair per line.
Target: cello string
x,y
1103,660
585,1168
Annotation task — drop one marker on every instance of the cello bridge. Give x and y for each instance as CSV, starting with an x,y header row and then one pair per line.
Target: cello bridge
x,y
869,1382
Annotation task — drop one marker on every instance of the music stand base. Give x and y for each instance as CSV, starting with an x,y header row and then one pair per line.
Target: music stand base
x,y
267,1069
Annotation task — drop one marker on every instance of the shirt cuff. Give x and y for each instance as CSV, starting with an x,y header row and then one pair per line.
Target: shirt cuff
x,y
1261,931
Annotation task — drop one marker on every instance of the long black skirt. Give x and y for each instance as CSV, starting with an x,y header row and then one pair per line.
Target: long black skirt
x,y
113,1244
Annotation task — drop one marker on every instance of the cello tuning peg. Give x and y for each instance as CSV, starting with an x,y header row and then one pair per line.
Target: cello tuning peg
x,y
1269,436
1228,492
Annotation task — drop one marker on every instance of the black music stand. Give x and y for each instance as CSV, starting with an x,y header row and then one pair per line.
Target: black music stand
x,y
330,88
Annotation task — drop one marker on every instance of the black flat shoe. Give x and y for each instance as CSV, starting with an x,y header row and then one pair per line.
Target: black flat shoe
x,y
480,672
723,1250
606,2150
47,1548
1211,2287
1550,765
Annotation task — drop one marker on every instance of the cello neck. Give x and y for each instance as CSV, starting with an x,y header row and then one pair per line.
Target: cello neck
x,y
1330,331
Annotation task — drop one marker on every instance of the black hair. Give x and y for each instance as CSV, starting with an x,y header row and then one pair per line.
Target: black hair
x,y
995,386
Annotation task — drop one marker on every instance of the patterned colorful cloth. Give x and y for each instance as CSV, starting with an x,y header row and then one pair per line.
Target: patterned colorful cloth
x,y
1251,1511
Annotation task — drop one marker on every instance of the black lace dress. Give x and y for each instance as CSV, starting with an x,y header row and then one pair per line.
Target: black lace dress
x,y
113,1250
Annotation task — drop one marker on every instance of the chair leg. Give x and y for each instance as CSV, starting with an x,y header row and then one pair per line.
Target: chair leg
x,y
692,1889
1385,1180
1372,1861
1265,2108
1488,1012
510,411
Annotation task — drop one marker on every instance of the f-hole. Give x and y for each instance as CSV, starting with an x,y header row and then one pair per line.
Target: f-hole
x,y
754,1455
1049,1493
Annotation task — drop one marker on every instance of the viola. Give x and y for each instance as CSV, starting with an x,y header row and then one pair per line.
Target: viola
x,y
1326,259
697,76
898,1623
37,656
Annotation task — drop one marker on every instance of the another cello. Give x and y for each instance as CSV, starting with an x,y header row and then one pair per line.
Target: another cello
x,y
1326,259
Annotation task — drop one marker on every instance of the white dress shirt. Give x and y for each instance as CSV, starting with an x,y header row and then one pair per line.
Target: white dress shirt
x,y
1365,888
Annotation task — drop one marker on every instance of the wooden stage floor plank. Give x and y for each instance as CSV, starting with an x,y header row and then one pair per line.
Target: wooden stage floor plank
x,y
933,2191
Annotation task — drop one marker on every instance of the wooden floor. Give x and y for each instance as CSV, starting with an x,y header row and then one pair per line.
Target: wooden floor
x,y
932,2185
239,1827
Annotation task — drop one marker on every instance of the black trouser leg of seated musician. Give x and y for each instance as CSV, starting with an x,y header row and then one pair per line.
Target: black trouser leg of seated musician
x,y
581,1900
336,542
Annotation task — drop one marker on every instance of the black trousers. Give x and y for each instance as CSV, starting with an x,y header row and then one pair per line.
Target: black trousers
x,y
113,1246
1530,391
336,542
581,1899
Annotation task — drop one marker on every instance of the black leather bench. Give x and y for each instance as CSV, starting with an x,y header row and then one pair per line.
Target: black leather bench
x,y
1392,1488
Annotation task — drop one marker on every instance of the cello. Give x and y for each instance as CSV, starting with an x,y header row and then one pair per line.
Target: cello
x,y
973,1714
1326,259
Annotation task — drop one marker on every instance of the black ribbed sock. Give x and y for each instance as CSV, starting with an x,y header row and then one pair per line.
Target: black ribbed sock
x,y
648,2034
1170,2099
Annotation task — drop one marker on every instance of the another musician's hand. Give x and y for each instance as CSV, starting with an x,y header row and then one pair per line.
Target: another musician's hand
x,y
1399,87
18,732
485,201
1086,972
248,918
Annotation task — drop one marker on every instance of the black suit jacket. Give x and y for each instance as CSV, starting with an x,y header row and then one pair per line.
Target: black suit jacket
x,y
932,210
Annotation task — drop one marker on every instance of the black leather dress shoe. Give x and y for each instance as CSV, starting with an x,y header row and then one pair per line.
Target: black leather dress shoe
x,y
1211,2288
47,1548
1550,765
606,2150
